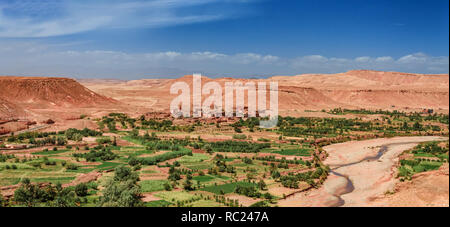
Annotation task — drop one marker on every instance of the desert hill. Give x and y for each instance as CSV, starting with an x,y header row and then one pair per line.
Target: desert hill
x,y
353,89
40,92
371,80
9,110
374,89
25,100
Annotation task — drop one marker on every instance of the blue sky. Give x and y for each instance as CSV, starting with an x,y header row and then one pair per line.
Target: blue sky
x,y
131,39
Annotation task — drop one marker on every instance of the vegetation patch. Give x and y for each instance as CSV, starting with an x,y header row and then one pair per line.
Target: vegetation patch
x,y
53,180
426,157
153,185
195,158
158,203
175,196
227,188
296,152
51,152
204,178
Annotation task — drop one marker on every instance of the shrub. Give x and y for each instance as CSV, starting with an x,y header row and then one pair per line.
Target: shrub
x,y
123,190
239,137
71,166
81,189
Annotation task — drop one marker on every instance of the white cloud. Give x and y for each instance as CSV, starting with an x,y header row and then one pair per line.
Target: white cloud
x,y
413,58
30,58
315,58
25,18
362,59
206,56
414,63
252,58
384,59
421,60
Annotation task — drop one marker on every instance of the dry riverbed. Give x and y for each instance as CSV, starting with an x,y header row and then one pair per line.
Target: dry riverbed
x,y
361,171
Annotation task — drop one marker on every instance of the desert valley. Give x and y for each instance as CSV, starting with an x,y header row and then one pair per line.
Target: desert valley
x,y
359,138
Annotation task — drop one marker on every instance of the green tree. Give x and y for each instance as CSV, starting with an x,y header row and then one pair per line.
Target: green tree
x,y
61,141
167,187
405,126
64,197
28,194
417,126
262,185
77,137
2,201
188,183
123,190
81,189
101,125
112,126
114,141
32,195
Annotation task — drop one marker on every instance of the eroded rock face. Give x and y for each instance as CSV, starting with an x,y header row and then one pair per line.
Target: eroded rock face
x,y
8,110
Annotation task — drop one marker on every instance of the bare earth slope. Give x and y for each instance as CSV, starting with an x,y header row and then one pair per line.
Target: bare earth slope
x,y
354,89
9,110
47,92
373,89
429,189
37,99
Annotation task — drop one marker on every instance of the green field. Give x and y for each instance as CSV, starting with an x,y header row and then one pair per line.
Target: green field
x,y
158,203
296,152
173,196
226,188
427,157
153,185
53,180
204,178
51,152
195,158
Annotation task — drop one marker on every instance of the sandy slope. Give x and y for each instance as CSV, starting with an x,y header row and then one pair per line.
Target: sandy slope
x,y
369,179
353,89
37,98
48,92
428,189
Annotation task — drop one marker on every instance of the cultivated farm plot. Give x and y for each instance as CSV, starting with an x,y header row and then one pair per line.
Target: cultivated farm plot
x,y
294,152
158,203
226,188
426,157
176,196
206,203
153,185
195,158
11,177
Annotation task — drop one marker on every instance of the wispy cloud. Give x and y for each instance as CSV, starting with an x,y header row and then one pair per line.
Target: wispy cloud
x,y
31,58
45,18
414,63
